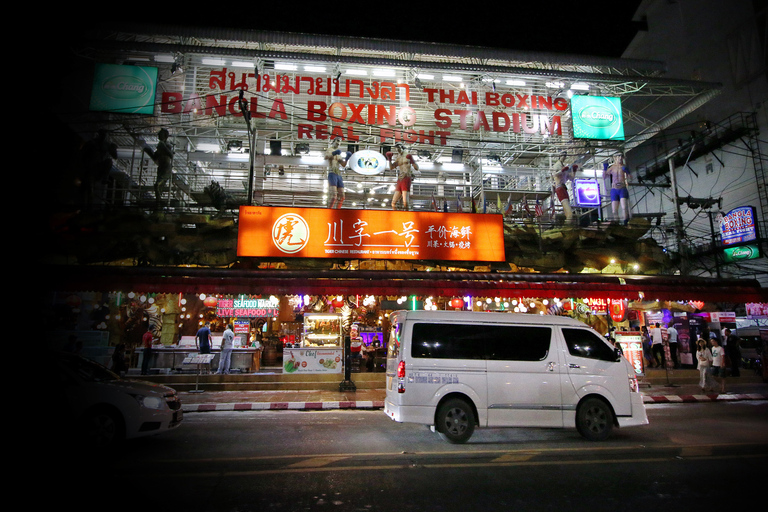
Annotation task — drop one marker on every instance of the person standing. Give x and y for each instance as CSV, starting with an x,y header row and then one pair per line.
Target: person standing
x,y
119,364
733,349
657,345
203,339
672,340
646,341
227,344
718,363
146,343
704,359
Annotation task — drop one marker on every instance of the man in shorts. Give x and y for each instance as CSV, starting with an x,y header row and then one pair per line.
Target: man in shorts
x,y
405,165
336,162
619,187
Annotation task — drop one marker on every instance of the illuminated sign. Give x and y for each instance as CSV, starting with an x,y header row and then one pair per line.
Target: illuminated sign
x,y
369,234
738,225
247,307
368,163
349,108
597,117
742,252
124,89
587,192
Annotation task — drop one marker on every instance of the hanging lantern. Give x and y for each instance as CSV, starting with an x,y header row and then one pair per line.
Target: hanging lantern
x,y
457,303
210,302
618,310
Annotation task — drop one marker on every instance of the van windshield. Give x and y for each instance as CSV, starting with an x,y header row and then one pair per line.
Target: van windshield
x,y
583,343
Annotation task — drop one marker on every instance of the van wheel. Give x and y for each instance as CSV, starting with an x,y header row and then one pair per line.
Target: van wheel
x,y
455,421
594,420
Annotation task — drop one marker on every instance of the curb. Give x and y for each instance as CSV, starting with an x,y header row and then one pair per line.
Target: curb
x,y
285,406
726,397
379,404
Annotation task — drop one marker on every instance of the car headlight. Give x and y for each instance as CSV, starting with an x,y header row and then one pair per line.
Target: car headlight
x,y
150,402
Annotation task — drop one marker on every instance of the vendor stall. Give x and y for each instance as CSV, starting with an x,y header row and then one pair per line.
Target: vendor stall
x,y
321,349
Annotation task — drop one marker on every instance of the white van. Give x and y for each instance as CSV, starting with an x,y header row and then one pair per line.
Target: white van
x,y
455,370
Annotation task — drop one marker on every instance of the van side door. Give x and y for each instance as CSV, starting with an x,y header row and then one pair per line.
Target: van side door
x,y
594,367
523,376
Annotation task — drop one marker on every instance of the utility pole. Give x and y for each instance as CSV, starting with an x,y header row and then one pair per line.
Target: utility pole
x,y
243,103
679,232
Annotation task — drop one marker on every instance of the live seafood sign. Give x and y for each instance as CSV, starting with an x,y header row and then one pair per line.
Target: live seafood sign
x,y
738,226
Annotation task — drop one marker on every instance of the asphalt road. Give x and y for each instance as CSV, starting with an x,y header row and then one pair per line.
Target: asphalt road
x,y
690,456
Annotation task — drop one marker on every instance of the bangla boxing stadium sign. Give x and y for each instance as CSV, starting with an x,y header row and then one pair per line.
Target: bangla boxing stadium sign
x,y
738,226
369,234
347,108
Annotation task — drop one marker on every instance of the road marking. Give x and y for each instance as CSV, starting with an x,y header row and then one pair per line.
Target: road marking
x,y
315,462
515,457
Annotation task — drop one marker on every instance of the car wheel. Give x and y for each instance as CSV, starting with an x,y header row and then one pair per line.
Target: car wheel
x,y
455,421
102,428
594,419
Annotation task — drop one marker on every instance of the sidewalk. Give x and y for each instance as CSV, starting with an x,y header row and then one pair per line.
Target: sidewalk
x,y
374,398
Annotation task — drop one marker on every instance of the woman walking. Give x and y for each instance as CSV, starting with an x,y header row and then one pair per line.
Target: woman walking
x,y
704,358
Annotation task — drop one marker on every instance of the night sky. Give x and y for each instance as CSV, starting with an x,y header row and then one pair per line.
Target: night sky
x,y
585,27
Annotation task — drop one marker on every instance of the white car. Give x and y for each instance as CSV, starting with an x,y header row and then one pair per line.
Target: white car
x,y
101,409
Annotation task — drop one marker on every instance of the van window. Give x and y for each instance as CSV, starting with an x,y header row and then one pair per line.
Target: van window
x,y
583,343
447,341
507,343
496,342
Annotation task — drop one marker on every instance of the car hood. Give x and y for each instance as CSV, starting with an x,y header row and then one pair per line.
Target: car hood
x,y
139,386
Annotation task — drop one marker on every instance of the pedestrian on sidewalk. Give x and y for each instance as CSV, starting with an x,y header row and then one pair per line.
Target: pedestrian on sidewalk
x,y
227,345
657,345
704,358
646,341
146,343
203,339
733,350
718,363
672,340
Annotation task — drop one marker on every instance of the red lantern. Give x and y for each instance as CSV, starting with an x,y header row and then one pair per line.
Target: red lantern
x,y
337,303
210,302
618,310
457,303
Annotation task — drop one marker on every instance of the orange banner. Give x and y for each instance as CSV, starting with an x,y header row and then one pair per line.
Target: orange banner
x,y
374,234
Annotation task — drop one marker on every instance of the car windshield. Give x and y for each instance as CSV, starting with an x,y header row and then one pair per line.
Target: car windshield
x,y
88,370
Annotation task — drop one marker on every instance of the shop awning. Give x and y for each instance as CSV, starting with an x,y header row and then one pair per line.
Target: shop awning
x,y
399,283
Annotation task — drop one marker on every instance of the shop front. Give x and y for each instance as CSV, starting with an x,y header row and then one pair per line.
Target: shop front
x,y
295,321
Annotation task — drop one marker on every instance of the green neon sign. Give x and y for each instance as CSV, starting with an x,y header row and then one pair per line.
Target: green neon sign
x,y
741,253
124,89
597,117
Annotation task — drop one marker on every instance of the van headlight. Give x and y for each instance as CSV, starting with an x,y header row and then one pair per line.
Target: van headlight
x,y
150,402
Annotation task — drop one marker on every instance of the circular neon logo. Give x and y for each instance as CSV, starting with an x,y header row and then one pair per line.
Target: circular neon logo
x,y
368,163
290,233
